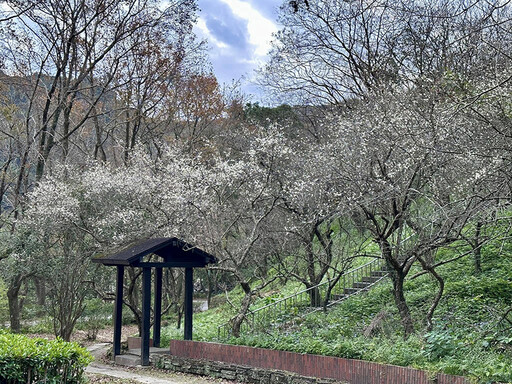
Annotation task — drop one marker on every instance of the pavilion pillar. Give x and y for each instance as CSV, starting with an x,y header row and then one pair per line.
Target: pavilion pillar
x,y
146,315
157,307
189,290
118,311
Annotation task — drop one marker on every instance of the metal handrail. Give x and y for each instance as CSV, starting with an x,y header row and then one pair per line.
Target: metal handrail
x,y
348,279
311,288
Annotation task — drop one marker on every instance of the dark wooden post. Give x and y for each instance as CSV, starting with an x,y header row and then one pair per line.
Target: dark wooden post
x,y
157,307
118,311
189,288
146,315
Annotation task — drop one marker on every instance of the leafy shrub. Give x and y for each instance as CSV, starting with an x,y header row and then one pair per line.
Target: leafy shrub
x,y
348,349
492,288
439,343
25,360
4,306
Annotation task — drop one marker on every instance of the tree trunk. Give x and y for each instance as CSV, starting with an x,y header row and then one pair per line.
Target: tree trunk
x,y
430,314
244,308
210,288
15,303
180,309
317,267
126,153
477,248
401,304
40,286
315,298
132,300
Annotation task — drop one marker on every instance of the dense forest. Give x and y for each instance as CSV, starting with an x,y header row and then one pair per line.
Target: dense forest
x,y
390,138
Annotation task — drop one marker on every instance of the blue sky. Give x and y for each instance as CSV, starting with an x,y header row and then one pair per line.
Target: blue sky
x,y
239,34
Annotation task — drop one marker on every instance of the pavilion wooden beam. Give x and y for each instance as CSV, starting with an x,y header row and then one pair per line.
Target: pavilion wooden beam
x,y
157,308
189,290
171,264
146,315
118,311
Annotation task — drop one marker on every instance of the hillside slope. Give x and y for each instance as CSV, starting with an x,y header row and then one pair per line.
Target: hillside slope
x,y
471,334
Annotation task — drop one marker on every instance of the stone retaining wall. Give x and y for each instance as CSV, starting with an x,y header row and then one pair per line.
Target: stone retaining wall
x,y
234,372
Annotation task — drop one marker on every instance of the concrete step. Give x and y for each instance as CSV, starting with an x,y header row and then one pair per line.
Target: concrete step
x,y
350,291
361,285
378,273
370,279
131,358
152,350
128,360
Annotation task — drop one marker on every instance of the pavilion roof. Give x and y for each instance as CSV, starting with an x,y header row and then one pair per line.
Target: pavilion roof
x,y
174,252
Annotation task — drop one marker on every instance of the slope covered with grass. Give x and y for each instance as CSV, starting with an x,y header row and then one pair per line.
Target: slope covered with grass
x,y
470,336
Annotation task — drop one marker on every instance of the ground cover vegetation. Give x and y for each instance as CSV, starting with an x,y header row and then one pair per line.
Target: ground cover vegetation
x,y
470,335
394,145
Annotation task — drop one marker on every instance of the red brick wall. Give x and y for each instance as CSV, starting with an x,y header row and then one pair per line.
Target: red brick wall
x,y
352,371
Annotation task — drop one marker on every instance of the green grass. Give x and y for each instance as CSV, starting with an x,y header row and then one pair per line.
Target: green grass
x,y
467,339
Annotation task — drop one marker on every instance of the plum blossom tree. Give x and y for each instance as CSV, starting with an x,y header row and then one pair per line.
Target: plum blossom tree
x,y
61,62
399,179
331,51
220,205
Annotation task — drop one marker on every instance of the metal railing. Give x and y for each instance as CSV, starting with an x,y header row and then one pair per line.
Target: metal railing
x,y
299,304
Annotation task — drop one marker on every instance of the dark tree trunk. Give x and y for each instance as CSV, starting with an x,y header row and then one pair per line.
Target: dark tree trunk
x,y
210,288
430,314
40,286
244,308
317,267
477,248
315,298
180,309
132,300
401,304
15,303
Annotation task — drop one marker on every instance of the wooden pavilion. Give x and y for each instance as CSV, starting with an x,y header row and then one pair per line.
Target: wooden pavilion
x,y
172,253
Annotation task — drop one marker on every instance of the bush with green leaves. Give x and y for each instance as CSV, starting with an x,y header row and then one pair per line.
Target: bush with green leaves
x,y
25,360
4,306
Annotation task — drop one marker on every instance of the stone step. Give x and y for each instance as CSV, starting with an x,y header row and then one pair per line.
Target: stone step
x,y
378,273
337,297
360,285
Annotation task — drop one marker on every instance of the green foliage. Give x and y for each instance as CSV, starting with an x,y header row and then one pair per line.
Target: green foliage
x,y
42,325
4,305
265,116
96,316
485,287
468,338
25,360
440,344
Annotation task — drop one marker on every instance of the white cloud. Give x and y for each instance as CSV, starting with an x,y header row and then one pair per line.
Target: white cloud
x,y
201,25
259,27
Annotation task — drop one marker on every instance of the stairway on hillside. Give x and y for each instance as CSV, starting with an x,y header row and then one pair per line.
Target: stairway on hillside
x,y
359,286
295,306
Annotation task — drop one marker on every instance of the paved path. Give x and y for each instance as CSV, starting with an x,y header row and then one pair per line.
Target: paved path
x,y
99,350
122,374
